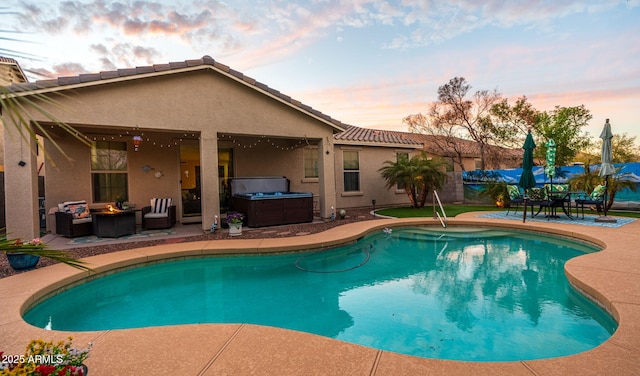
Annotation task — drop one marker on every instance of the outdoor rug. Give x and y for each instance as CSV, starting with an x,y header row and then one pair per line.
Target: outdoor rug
x,y
589,220
142,235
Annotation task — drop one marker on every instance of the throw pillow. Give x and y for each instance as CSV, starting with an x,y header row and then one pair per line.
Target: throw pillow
x,y
598,193
66,206
79,211
160,205
514,191
537,194
560,187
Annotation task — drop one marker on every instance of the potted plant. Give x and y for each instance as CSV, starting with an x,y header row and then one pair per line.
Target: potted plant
x,y
25,255
120,200
498,193
47,358
234,220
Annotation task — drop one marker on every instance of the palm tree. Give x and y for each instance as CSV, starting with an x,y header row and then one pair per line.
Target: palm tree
x,y
585,182
617,183
417,175
590,179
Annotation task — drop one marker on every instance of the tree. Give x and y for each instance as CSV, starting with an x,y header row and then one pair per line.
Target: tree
x,y
418,176
587,181
624,148
617,183
591,178
454,115
512,123
445,140
565,126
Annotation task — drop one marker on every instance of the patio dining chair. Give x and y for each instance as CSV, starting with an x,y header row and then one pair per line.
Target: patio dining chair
x,y
596,198
538,197
515,197
558,196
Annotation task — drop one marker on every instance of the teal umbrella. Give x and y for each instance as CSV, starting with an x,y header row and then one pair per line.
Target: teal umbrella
x,y
527,180
550,169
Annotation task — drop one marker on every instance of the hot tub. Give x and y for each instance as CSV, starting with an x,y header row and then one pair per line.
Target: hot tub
x,y
270,208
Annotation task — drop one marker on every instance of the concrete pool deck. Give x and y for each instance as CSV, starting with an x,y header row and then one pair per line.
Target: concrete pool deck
x,y
611,276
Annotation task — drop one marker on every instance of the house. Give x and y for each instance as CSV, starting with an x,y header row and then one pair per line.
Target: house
x,y
464,155
182,130
369,148
10,73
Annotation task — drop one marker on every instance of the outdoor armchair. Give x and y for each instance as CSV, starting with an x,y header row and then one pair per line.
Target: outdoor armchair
x,y
160,214
73,219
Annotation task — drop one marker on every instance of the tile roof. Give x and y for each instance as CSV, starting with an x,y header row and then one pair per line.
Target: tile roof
x,y
205,62
11,71
468,148
366,135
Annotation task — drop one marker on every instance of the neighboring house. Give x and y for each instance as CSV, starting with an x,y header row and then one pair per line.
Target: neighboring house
x,y
10,73
466,152
198,123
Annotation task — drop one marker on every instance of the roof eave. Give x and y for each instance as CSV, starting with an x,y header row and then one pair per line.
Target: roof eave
x,y
240,78
377,144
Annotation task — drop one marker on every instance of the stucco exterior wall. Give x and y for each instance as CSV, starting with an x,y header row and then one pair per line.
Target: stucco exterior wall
x,y
372,185
189,101
203,102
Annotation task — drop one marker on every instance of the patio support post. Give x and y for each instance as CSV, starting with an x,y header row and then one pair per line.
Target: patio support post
x,y
21,185
209,181
327,180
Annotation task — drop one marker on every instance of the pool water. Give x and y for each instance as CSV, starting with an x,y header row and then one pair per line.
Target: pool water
x,y
473,294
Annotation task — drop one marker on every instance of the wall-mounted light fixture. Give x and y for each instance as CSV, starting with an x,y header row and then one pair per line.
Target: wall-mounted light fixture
x,y
137,140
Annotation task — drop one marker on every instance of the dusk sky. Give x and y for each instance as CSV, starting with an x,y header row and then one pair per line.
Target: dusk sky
x,y
368,63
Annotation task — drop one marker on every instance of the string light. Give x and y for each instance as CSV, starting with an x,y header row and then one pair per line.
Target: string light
x,y
240,141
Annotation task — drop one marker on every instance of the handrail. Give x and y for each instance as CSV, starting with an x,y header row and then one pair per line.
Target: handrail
x,y
436,213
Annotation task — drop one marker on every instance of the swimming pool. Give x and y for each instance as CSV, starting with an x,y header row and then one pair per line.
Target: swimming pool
x,y
459,293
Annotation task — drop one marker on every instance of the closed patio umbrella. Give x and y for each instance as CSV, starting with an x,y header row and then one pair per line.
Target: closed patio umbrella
x,y
527,180
550,168
606,168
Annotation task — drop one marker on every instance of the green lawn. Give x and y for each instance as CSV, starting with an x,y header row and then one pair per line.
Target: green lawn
x,y
453,210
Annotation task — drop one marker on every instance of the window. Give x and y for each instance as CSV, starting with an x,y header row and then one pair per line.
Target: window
x,y
310,163
478,163
351,166
109,171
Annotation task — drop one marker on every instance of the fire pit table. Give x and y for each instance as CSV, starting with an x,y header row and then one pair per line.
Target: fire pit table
x,y
114,224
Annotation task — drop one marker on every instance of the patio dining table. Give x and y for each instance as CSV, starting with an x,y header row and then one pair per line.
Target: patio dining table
x,y
557,200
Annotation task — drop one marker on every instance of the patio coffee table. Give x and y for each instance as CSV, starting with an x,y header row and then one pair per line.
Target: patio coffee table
x,y
114,224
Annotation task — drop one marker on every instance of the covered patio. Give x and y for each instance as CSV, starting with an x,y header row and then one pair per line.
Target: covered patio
x,y
183,129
